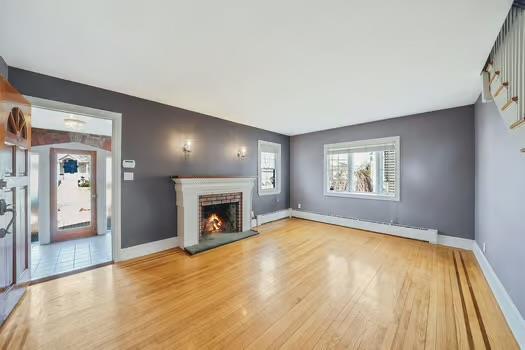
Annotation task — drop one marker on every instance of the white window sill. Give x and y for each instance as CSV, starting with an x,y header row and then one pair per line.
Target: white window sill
x,y
268,193
362,196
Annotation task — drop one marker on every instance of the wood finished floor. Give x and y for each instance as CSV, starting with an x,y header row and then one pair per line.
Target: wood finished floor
x,y
298,285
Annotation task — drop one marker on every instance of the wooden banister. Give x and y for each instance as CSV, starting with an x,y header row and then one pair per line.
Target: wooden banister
x,y
509,103
505,84
494,76
518,123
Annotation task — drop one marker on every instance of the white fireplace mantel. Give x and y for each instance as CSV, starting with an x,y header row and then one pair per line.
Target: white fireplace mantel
x,y
188,190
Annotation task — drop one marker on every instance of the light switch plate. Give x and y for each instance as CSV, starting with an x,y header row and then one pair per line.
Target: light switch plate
x,y
128,176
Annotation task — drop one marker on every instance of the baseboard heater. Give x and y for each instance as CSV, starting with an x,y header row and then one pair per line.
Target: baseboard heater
x,y
273,216
422,234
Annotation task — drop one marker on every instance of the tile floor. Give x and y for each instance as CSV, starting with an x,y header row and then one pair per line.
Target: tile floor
x,y
55,258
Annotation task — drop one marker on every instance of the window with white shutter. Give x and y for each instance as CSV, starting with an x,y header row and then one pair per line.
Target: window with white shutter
x,y
363,169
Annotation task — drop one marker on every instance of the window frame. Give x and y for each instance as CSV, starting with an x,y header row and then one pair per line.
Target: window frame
x,y
263,146
396,140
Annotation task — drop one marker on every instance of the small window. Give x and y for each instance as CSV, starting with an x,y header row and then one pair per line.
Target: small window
x,y
363,169
269,168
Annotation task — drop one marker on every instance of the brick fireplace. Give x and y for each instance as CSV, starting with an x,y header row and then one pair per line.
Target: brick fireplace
x,y
199,198
219,213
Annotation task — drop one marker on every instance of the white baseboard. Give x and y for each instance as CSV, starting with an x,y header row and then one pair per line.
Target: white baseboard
x,y
428,235
456,242
276,215
148,248
510,311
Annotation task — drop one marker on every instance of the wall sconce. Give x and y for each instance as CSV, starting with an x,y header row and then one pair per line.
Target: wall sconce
x,y
187,149
241,153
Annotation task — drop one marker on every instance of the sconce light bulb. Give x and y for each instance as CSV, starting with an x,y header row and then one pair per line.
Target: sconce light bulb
x,y
241,153
187,146
187,149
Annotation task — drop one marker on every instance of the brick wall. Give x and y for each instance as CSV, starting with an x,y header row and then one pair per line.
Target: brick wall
x,y
221,198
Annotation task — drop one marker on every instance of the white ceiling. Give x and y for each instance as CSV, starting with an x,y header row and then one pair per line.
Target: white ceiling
x,y
288,66
54,120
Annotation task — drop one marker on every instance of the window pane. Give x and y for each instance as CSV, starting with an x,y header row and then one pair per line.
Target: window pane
x,y
109,210
35,159
338,172
268,170
363,171
74,192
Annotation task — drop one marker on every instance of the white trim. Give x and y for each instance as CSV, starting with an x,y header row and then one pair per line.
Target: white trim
x,y
148,248
71,108
197,182
396,140
277,147
507,306
378,197
455,242
486,96
116,151
116,194
428,235
273,216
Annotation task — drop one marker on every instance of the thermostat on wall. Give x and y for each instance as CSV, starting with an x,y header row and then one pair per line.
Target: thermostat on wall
x,y
128,163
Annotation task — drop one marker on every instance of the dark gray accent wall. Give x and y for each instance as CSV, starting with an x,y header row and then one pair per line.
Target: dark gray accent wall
x,y
500,200
437,172
3,68
153,135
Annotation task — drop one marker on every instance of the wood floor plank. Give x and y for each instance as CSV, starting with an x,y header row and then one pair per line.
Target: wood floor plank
x,y
471,319
498,334
298,285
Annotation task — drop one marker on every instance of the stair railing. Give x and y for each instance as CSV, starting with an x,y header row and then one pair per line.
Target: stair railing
x,y
505,73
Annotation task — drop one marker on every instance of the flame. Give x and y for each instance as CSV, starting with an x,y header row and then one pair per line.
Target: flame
x,y
213,224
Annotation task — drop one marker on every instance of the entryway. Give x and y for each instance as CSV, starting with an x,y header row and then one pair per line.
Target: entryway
x,y
72,175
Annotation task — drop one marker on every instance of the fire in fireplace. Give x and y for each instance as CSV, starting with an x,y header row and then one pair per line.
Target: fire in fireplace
x,y
220,213
213,224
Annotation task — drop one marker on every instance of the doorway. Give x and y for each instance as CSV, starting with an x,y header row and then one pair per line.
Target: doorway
x,y
74,221
73,194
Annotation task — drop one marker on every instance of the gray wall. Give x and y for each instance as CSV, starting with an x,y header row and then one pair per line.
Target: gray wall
x,y
153,134
437,172
500,200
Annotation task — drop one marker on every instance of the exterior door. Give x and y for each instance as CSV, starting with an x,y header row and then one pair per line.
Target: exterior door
x,y
15,140
73,194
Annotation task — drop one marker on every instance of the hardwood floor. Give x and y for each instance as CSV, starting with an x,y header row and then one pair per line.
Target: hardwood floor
x,y
298,285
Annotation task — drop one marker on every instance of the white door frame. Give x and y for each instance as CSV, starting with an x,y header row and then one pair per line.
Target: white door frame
x,y
116,155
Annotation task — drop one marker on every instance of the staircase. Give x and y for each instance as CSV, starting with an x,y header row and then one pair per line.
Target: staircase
x,y
504,74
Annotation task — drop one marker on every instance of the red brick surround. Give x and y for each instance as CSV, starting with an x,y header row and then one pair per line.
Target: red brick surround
x,y
221,198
